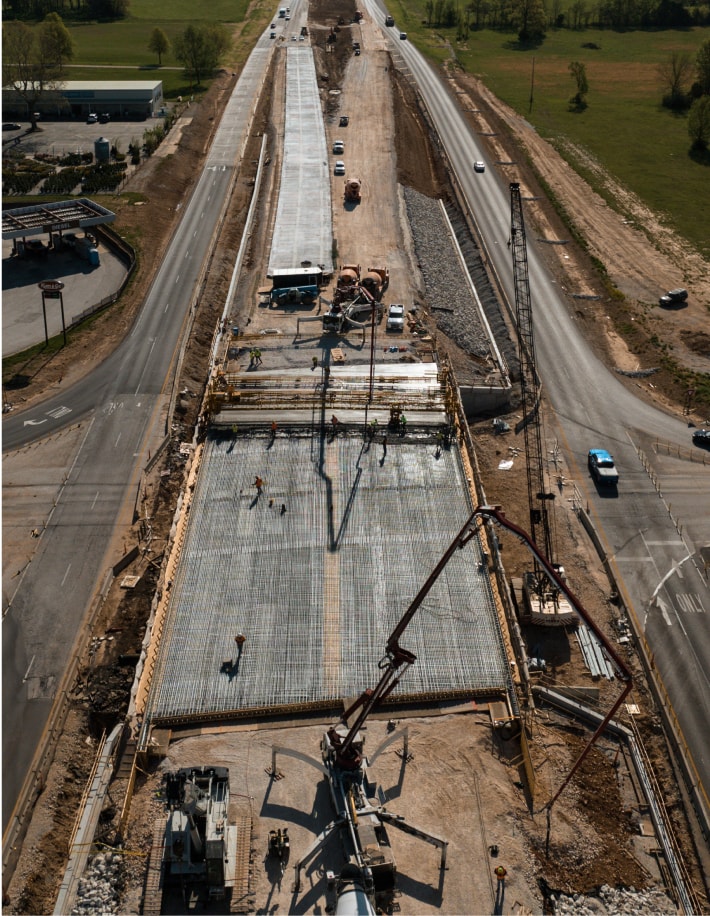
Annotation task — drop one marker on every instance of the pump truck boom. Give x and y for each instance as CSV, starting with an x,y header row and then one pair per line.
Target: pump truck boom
x,y
353,792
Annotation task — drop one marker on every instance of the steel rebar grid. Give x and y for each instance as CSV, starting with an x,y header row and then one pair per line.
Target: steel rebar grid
x,y
317,588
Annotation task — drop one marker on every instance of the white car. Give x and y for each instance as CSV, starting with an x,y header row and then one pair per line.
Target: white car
x,y
338,147
395,318
339,167
479,166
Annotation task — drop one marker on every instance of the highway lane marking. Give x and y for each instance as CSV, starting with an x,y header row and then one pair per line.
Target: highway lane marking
x,y
34,422
167,306
117,441
66,574
27,673
93,503
150,353
59,412
690,603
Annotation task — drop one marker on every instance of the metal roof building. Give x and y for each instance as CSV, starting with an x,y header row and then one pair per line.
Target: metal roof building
x,y
303,233
77,98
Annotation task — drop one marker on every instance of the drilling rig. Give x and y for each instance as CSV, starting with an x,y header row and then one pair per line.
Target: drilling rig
x,y
542,601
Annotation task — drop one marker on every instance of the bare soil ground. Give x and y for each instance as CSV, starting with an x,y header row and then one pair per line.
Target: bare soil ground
x,y
600,845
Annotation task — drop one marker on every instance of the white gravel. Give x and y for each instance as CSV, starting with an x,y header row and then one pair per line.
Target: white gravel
x,y
100,888
616,902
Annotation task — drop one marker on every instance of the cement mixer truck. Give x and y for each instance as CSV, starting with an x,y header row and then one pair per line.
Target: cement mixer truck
x,y
352,190
376,281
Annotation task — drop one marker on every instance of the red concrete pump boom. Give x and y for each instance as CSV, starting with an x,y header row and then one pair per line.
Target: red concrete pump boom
x,y
397,657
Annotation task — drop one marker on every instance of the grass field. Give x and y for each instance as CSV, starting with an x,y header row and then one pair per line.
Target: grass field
x,y
625,127
125,43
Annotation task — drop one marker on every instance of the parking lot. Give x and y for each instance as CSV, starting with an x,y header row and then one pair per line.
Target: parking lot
x,y
59,138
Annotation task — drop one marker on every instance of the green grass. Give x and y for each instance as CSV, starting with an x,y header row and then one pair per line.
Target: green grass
x,y
625,127
124,44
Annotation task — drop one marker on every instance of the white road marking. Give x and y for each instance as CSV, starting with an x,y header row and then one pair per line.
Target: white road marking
x,y
663,607
93,503
33,422
59,412
145,367
66,574
117,441
32,661
691,604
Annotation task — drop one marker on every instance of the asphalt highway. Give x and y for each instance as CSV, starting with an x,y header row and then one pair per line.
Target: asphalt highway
x,y
654,539
123,404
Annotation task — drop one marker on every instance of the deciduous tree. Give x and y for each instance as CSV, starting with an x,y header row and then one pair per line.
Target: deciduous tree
x,y
159,44
199,49
675,73
699,123
530,20
579,74
26,69
702,63
56,44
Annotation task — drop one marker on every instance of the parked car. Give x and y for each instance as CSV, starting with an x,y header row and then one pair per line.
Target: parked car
x,y
92,118
344,120
272,35
479,166
701,437
104,117
602,468
338,147
339,167
395,318
11,125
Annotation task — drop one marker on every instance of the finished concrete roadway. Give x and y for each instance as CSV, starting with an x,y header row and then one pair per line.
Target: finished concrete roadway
x,y
660,570
121,403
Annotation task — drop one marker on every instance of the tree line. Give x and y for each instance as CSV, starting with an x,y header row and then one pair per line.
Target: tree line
x,y
34,57
37,10
512,15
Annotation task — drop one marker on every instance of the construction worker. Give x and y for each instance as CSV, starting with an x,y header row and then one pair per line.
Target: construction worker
x,y
500,873
315,363
274,427
259,484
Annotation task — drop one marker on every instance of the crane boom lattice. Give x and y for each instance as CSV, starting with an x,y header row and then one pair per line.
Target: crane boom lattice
x,y
530,387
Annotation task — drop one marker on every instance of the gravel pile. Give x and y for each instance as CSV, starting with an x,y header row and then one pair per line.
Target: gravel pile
x,y
448,292
100,888
615,902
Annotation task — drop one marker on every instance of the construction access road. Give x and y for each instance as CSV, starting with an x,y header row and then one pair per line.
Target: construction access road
x,y
654,542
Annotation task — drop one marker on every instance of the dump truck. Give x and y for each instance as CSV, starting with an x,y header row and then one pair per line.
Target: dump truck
x,y
304,31
352,190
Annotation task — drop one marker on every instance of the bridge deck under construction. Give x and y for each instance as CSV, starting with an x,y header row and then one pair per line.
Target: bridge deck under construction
x,y
317,570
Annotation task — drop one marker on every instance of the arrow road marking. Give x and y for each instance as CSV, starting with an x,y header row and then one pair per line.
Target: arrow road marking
x,y
33,422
